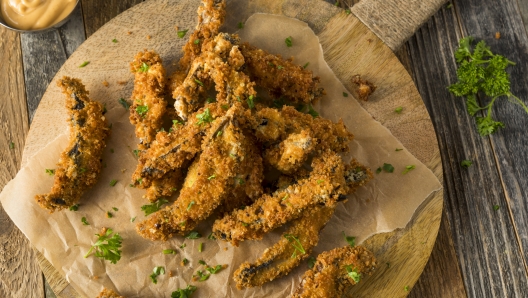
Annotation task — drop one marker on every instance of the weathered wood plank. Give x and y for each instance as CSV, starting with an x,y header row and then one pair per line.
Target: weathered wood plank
x,y
485,239
523,9
97,13
20,275
44,53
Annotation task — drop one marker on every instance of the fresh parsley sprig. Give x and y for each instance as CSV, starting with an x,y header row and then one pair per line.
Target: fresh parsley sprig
x,y
107,247
482,71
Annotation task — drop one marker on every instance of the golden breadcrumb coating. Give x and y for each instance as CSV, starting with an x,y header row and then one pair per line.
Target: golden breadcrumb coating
x,y
165,186
226,154
364,88
80,164
281,77
287,253
148,103
107,293
335,270
291,153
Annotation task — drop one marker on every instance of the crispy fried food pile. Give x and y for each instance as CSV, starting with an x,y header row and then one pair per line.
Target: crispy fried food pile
x,y
107,293
335,270
221,147
80,164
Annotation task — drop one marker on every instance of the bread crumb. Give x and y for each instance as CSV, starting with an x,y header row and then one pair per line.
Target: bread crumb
x,y
170,273
95,277
121,83
176,27
148,36
105,83
225,248
103,230
497,35
365,88
129,32
123,170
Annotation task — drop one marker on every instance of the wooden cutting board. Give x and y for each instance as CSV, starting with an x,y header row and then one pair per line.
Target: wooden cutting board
x,y
360,42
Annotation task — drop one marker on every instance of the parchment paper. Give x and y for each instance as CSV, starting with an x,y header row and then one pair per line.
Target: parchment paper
x,y
386,203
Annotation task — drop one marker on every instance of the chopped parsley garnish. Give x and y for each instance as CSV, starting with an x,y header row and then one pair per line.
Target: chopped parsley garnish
x,y
124,103
250,102
201,276
107,247
204,117
197,41
398,110
279,67
144,67
347,11
211,177
182,33
74,207
240,25
183,246
288,41
151,208
132,219
136,152
398,149
185,261
210,100
214,269
184,293
352,273
114,40
50,172
387,167
176,122
84,221
200,247
190,205
84,64
312,112
311,262
345,94
496,207
142,110
350,240
466,163
225,107
113,182
482,72
408,169
109,214
406,288
211,236
82,170
202,262
11,145
198,82
320,181
157,271
295,243
306,65
115,209
193,235
241,181
169,252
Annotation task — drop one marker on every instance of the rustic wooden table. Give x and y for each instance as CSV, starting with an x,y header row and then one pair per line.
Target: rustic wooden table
x,y
480,251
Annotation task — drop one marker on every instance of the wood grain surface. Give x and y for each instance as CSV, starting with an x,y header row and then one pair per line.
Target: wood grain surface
x,y
348,52
20,275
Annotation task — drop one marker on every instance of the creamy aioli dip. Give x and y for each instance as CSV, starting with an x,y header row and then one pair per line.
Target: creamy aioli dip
x,y
35,14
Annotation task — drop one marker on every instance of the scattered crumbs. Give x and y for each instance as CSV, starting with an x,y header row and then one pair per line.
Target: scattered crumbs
x,y
121,83
170,271
364,88
388,265
105,83
149,37
95,277
123,170
369,40
176,28
497,35
103,230
129,32
225,248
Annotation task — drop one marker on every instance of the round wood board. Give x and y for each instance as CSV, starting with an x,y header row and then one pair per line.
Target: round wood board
x,y
349,48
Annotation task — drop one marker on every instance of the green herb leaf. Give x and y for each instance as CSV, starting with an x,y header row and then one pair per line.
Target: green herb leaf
x,y
124,103
107,247
193,235
296,243
353,273
288,41
398,149
200,247
11,145
50,172
496,207
114,40
151,208
109,215
183,246
115,209
211,236
198,82
312,112
204,117
201,276
398,110
211,177
184,293
185,261
406,288
153,277
240,25
159,270
387,167
144,67
378,170
84,64
350,240
142,110
215,269
347,11
306,65
466,163
190,205
75,208
182,33
136,152
250,102
169,252
84,221
197,41
132,219
408,169
345,94
311,262
113,182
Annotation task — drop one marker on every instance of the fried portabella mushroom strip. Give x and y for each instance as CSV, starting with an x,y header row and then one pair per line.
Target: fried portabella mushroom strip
x,y
295,245
148,103
211,15
165,186
226,159
325,185
107,293
174,149
335,270
80,164
281,77
290,154
219,62
329,182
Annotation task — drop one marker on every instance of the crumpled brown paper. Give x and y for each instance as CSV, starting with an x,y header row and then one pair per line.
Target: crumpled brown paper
x,y
386,203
